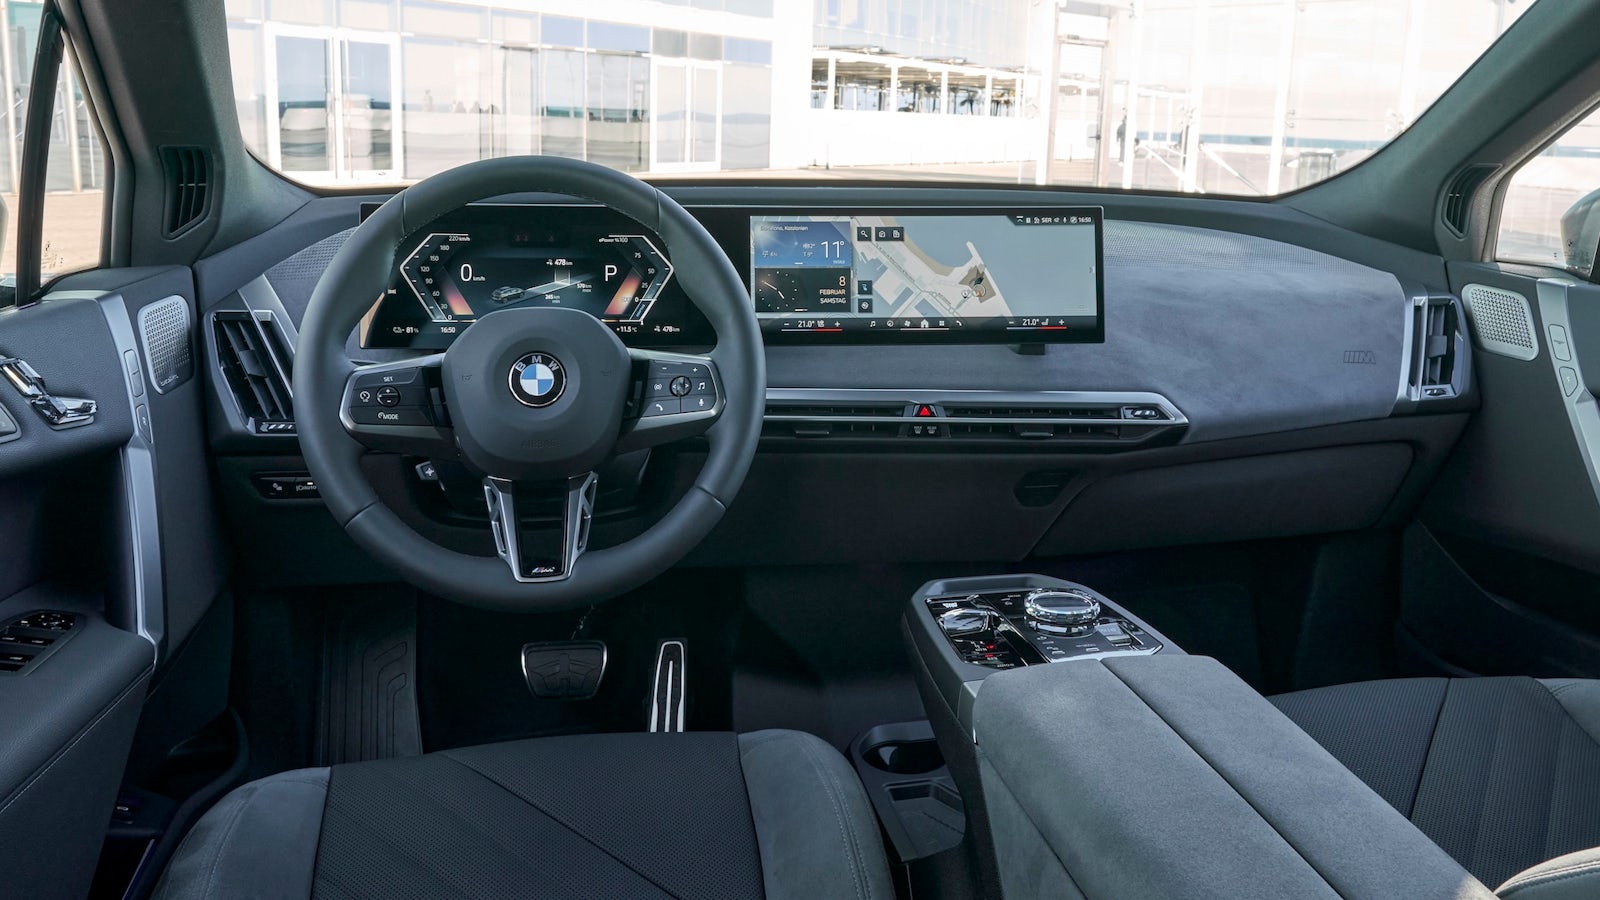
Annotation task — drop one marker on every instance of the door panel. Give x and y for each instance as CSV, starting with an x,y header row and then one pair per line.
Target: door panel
x,y
1513,522
110,522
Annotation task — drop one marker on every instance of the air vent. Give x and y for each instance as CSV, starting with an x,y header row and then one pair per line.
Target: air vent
x,y
188,173
1438,368
1502,321
257,365
931,419
815,421
1458,197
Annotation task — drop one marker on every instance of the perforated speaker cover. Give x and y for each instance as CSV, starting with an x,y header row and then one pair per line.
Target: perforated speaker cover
x,y
1502,321
164,332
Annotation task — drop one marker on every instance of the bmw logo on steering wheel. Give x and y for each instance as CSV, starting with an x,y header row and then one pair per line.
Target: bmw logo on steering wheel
x,y
537,379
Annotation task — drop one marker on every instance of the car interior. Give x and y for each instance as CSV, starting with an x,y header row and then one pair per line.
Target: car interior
x,y
881,535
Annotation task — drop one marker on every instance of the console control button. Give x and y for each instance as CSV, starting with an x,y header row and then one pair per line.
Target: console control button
x,y
1114,632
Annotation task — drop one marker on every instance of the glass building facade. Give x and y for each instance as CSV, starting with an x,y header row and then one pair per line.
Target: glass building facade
x,y
986,33
387,90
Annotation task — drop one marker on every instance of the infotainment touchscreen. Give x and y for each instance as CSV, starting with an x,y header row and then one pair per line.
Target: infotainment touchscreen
x,y
1012,276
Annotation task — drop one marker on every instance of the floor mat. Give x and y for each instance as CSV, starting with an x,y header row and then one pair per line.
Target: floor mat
x,y
369,683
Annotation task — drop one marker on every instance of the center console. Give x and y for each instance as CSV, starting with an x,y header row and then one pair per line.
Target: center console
x,y
1096,759
965,629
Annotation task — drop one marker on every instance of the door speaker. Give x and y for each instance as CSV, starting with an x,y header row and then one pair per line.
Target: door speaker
x,y
168,347
1502,321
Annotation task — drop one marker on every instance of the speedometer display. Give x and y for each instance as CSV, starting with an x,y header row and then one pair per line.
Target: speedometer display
x,y
488,258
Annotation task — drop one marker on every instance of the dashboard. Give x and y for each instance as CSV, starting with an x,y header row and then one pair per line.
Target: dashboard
x,y
822,276
1258,362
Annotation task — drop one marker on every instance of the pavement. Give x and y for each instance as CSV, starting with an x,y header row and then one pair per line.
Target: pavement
x,y
71,231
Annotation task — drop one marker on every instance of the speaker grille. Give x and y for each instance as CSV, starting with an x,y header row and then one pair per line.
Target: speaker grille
x,y
164,331
1501,321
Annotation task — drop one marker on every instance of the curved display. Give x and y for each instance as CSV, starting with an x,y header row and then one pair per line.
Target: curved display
x,y
929,276
486,258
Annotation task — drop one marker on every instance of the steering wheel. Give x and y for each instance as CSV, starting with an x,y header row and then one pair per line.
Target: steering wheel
x,y
532,398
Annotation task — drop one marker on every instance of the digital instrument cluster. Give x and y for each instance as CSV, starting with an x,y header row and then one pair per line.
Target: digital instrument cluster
x,y
485,258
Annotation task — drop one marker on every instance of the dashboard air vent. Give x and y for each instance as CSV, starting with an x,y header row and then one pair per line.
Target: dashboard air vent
x,y
1458,196
940,418
808,421
258,367
188,173
1438,366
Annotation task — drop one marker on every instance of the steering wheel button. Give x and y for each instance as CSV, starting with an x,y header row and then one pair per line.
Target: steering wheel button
x,y
389,395
680,386
662,406
394,376
699,403
399,415
702,385
658,386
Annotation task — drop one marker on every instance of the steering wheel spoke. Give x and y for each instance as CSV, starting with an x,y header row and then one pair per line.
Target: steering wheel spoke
x,y
673,396
398,407
545,554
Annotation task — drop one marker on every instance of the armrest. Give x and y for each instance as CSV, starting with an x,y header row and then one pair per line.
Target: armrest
x,y
1168,776
1575,876
67,725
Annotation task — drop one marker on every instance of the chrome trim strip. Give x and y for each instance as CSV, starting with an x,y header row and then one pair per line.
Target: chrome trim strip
x,y
888,397
139,487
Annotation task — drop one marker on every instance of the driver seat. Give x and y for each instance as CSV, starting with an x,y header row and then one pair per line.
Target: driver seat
x,y
774,813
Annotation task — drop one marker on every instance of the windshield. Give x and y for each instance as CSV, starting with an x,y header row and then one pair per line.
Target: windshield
x,y
1249,97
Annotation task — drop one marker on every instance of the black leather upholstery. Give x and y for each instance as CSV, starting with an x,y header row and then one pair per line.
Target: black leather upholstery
x,y
776,814
1503,773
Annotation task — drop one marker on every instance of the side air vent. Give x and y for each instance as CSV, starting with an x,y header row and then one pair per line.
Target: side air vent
x,y
1458,197
1439,352
258,367
188,173
1502,321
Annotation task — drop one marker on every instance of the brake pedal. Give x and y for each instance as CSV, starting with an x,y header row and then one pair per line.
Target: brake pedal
x,y
670,688
564,670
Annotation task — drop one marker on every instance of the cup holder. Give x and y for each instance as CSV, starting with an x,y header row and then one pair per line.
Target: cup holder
x,y
905,757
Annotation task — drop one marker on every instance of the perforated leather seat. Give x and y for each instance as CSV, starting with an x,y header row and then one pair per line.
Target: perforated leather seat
x,y
1503,773
773,813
